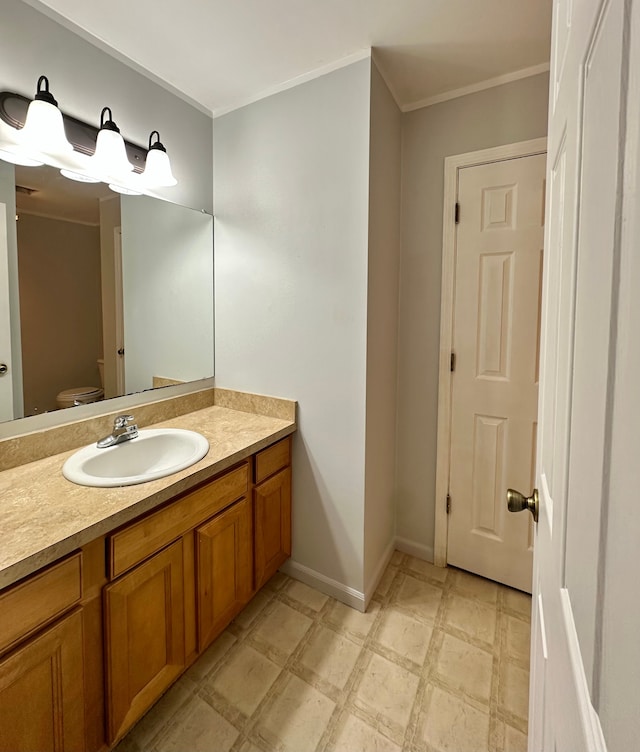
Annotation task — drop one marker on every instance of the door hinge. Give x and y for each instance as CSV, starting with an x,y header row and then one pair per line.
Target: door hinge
x,y
457,213
448,503
453,362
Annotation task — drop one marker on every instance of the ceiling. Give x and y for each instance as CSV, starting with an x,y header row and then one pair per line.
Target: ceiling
x,y
226,53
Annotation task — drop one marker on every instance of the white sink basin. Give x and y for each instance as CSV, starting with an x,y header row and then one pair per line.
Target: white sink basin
x,y
155,453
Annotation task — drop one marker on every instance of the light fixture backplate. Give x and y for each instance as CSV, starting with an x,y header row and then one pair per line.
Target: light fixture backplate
x,y
82,136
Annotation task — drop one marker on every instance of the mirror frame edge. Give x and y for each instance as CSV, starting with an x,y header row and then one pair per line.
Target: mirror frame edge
x,y
22,426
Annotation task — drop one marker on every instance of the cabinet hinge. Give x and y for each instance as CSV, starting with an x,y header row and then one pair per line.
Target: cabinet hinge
x,y
453,362
457,213
448,503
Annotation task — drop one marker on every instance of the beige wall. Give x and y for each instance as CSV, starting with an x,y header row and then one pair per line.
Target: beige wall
x,y
382,327
505,114
60,308
291,246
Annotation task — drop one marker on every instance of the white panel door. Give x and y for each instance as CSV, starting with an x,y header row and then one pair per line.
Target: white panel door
x,y
586,100
498,272
6,385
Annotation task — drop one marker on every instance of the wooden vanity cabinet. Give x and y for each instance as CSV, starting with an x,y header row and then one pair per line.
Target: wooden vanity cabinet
x,y
88,644
42,691
144,637
272,510
42,666
180,574
224,570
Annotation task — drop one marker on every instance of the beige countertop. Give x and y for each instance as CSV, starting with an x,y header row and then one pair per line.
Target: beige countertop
x,y
43,516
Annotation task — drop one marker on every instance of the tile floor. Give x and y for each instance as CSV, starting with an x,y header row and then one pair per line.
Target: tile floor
x,y
439,663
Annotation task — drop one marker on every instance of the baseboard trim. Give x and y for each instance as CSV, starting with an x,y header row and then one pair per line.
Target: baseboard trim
x,y
419,550
370,588
348,595
343,593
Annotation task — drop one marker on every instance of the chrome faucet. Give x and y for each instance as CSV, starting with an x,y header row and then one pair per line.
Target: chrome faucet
x,y
122,431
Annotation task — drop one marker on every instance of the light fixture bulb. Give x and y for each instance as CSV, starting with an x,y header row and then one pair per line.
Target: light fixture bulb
x,y
110,160
43,131
157,172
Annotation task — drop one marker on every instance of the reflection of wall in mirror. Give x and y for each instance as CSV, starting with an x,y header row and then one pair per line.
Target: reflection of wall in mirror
x,y
60,308
167,270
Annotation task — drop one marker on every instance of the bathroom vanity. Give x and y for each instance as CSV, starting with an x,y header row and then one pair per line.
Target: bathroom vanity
x,y
99,620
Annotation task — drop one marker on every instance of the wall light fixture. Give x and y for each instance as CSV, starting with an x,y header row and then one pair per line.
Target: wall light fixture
x,y
43,131
35,132
157,171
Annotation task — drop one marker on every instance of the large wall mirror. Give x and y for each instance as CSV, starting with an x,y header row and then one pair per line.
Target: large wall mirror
x,y
101,295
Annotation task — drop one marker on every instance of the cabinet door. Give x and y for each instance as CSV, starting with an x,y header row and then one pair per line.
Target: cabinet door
x,y
41,692
224,570
144,637
272,500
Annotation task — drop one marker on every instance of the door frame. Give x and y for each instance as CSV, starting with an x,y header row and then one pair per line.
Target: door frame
x,y
7,406
452,166
119,309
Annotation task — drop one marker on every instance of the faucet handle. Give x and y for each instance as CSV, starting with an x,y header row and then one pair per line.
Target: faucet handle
x,y
121,421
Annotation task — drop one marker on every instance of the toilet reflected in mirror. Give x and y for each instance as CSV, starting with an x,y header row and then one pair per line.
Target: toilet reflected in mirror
x,y
79,395
82,395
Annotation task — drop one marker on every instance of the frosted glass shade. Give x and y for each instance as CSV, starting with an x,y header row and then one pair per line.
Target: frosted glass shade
x,y
110,158
43,131
157,172
79,177
129,185
124,190
13,155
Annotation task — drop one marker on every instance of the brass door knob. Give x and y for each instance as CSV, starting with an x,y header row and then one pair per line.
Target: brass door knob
x,y
517,502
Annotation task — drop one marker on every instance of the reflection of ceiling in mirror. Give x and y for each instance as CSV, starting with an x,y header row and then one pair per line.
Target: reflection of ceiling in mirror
x,y
51,195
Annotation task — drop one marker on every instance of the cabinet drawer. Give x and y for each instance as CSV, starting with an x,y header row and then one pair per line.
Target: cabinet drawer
x,y
36,601
272,459
142,539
